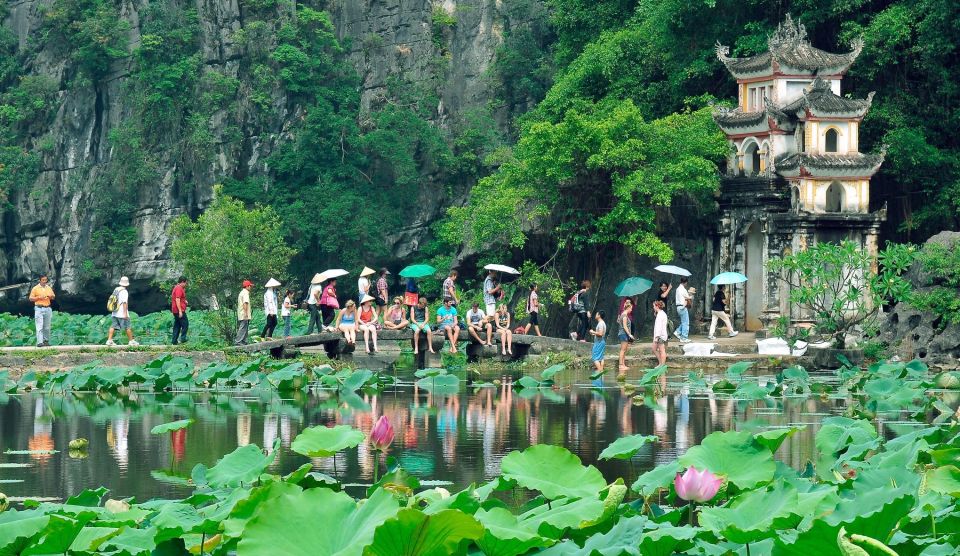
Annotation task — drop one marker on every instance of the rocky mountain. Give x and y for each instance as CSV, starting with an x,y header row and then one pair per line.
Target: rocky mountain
x,y
95,172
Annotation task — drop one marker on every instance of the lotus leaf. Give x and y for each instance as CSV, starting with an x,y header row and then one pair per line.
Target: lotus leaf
x,y
441,384
90,538
754,515
288,524
623,539
945,480
842,439
239,467
527,382
504,535
132,542
428,372
551,371
657,478
626,447
554,471
774,438
171,426
323,442
738,456
414,533
551,520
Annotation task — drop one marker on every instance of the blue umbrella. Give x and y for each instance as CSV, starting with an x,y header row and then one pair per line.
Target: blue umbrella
x,y
632,286
728,278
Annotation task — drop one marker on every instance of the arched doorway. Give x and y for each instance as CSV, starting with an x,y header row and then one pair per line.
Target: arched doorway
x,y
830,140
754,271
752,162
835,198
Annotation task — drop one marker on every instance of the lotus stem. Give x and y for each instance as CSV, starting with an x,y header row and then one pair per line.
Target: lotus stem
x,y
933,525
376,465
873,543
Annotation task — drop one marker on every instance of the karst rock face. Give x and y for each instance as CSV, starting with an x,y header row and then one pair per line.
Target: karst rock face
x,y
50,225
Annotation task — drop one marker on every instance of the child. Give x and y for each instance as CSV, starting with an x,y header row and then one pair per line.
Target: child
x,y
286,312
599,334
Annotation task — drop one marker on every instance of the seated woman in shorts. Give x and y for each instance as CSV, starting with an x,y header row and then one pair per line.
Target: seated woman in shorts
x,y
347,322
420,321
395,318
503,329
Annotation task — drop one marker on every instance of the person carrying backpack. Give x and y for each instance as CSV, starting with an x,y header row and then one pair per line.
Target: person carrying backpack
x,y
578,305
119,306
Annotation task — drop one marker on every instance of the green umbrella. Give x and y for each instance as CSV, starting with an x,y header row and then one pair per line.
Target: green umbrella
x,y
632,286
418,271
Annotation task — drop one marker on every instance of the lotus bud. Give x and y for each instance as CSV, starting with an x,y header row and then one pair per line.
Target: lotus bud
x,y
78,444
698,486
4,503
382,434
116,506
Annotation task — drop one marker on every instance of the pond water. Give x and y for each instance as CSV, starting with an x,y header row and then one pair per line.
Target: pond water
x,y
457,438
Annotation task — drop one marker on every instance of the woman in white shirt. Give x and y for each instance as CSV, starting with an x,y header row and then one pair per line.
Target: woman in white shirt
x,y
286,312
270,309
660,333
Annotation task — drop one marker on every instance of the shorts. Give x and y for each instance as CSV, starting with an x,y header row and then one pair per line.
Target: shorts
x,y
623,337
381,302
120,324
420,327
598,350
535,318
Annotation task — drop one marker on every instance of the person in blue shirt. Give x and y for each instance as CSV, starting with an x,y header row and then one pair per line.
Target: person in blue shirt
x,y
447,319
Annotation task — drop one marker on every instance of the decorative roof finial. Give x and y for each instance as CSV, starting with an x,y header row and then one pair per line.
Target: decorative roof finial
x,y
788,33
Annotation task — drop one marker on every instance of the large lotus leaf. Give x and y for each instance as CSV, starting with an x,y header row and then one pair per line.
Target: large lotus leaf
x,y
323,442
549,372
873,512
774,438
754,515
651,375
551,520
88,497
527,382
239,467
504,535
171,426
623,539
819,540
441,384
176,519
246,508
736,370
841,439
553,471
665,539
738,456
945,480
90,538
132,542
626,447
56,537
356,380
290,377
414,533
316,521
657,478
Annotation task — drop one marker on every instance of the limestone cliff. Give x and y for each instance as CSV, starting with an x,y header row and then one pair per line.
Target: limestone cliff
x,y
51,226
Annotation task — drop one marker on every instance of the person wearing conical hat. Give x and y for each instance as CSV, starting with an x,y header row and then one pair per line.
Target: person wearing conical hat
x,y
270,308
363,283
120,314
368,320
313,302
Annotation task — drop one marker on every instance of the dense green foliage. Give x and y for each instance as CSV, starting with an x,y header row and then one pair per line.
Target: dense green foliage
x,y
863,492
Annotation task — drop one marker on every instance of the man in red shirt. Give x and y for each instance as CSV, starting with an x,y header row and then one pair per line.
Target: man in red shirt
x,y
178,306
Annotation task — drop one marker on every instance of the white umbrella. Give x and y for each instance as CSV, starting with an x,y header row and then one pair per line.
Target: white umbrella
x,y
670,269
332,273
502,268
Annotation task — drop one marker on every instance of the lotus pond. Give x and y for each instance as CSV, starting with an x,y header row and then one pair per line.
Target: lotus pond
x,y
557,461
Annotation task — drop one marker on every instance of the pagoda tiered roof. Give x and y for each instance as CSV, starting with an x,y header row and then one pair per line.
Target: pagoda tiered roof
x,y
789,52
735,120
828,165
820,101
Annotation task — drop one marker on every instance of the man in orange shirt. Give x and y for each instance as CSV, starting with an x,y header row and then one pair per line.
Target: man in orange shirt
x,y
41,296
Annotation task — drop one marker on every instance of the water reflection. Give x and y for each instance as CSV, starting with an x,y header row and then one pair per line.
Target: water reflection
x,y
459,438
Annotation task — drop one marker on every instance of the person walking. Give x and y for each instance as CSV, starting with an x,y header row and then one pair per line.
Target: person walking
x,y
660,334
491,292
313,303
363,283
369,320
120,316
270,308
329,305
625,333
450,288
178,306
447,319
718,311
383,290
684,300
347,322
477,322
41,295
599,334
420,322
286,312
243,314
533,310
503,329
581,303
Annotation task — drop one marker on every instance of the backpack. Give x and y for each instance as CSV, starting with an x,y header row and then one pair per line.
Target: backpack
x,y
574,305
112,301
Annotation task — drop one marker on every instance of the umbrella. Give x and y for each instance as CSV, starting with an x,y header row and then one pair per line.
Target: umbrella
x,y
502,268
418,271
728,278
670,269
330,273
632,286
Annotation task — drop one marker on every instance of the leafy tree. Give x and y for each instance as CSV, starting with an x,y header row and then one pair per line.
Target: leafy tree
x,y
227,244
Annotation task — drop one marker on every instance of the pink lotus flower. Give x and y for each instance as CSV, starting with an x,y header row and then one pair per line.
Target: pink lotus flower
x,y
382,434
699,486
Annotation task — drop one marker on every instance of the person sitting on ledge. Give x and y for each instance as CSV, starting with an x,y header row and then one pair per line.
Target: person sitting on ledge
x,y
394,318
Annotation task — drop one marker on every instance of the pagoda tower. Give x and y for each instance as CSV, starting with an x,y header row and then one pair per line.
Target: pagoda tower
x,y
795,174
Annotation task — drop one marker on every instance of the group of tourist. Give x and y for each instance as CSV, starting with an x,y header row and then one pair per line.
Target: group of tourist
x,y
370,312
